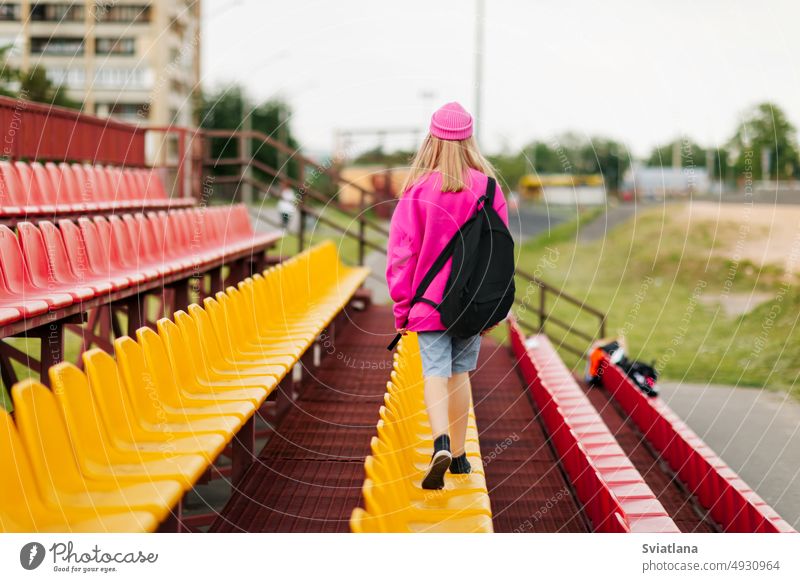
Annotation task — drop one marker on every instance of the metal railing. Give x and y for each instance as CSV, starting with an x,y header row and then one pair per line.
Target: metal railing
x,y
35,131
543,308
544,320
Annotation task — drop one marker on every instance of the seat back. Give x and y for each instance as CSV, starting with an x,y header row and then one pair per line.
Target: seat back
x,y
159,367
154,188
106,178
106,383
82,416
210,342
59,183
20,502
86,191
140,183
47,188
30,184
12,263
35,254
12,192
45,436
138,381
146,239
99,255
60,264
155,226
132,185
110,242
177,350
121,238
98,190
202,353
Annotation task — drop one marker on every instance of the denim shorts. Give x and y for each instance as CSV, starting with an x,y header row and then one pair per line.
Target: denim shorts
x,y
444,355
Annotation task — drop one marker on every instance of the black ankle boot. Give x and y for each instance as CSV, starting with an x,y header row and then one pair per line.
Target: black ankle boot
x,y
460,465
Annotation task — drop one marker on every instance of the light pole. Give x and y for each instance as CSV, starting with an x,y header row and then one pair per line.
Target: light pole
x,y
479,10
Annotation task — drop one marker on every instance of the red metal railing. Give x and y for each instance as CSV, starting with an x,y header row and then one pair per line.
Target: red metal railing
x,y
47,133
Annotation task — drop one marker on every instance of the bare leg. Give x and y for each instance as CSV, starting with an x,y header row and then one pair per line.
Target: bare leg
x,y
436,403
459,390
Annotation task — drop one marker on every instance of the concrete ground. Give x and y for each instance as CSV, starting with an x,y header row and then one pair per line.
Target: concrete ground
x,y
756,432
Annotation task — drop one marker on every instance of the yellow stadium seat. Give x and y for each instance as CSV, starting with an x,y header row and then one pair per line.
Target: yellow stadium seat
x,y
147,393
225,315
173,393
219,350
98,458
58,475
192,382
115,448
132,432
402,485
395,520
393,497
22,508
264,303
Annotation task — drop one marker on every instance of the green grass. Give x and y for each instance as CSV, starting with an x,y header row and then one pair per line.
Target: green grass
x,y
660,285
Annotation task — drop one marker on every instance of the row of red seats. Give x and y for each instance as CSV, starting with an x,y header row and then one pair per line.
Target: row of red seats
x,y
42,189
730,500
47,267
614,494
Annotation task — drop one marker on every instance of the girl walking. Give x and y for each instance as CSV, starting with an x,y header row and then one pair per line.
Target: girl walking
x,y
446,184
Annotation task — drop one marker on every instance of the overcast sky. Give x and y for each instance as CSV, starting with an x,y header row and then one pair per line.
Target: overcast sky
x,y
640,71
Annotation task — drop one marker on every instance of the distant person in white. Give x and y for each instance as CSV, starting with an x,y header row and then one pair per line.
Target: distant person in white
x,y
286,205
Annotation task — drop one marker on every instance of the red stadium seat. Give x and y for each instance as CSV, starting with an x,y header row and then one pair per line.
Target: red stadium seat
x,y
126,258
38,200
17,279
100,257
47,187
74,271
39,263
110,246
12,192
81,258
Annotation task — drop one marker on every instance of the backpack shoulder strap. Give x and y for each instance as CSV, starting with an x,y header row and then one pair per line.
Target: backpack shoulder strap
x,y
491,186
437,266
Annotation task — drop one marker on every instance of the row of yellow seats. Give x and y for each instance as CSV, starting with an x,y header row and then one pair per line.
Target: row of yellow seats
x,y
393,497
115,448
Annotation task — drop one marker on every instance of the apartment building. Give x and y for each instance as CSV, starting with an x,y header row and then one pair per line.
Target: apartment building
x,y
135,60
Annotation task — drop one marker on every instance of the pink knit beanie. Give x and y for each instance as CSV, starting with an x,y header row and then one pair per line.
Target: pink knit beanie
x,y
451,122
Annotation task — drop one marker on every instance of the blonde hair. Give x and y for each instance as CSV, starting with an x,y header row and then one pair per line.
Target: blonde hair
x,y
451,159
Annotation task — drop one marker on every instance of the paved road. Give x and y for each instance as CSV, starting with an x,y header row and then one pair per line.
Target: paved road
x,y
756,432
533,219
613,216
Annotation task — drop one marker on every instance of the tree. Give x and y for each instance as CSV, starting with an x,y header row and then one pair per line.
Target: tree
x,y
35,86
226,109
510,168
377,155
568,153
32,85
690,152
765,134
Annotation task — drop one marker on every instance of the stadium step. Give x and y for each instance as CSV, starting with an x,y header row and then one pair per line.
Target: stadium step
x,y
308,476
528,490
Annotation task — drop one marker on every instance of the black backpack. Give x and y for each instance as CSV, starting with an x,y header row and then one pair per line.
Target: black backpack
x,y
480,289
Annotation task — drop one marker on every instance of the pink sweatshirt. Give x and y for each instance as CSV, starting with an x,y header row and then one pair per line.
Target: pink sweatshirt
x,y
422,224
